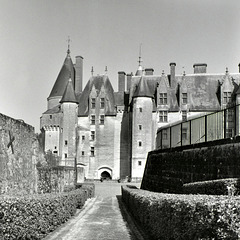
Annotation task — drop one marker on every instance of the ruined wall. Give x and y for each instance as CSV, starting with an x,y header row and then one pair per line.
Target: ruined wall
x,y
19,153
167,171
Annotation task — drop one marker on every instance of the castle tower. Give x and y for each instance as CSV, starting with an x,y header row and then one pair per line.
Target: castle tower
x,y
68,124
142,125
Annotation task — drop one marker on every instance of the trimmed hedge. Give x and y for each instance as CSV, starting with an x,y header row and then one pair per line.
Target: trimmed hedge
x,y
228,186
33,217
179,216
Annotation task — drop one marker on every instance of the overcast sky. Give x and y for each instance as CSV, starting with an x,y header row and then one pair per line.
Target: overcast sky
x,y
33,42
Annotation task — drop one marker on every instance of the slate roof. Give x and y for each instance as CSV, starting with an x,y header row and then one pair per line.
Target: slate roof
x,y
98,82
69,94
67,71
53,110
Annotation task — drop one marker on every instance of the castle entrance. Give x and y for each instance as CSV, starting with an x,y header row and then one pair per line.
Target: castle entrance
x,y
106,175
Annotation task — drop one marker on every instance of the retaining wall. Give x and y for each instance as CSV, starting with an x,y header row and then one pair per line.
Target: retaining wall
x,y
168,170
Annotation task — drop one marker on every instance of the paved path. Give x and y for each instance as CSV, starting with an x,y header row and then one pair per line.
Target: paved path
x,y
103,217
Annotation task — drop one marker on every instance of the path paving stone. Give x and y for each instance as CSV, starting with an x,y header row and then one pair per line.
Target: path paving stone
x,y
101,218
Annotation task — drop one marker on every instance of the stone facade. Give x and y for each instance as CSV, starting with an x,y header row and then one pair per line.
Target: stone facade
x,y
19,154
115,129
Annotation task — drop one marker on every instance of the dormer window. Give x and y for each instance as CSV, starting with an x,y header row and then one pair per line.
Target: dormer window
x,y
184,98
227,97
93,103
163,98
102,103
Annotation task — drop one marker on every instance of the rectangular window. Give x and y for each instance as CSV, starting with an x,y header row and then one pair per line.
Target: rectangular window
x,y
93,103
140,127
92,135
184,134
163,116
184,115
83,137
102,103
50,116
140,109
92,119
66,142
227,97
101,119
163,98
92,151
139,143
82,153
65,155
184,98
164,134
139,163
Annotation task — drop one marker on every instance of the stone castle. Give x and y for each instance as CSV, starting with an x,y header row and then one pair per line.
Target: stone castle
x,y
109,134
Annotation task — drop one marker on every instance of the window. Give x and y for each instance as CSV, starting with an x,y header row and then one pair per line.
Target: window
x,y
163,116
184,98
93,103
140,127
92,119
163,98
83,138
230,115
164,134
184,134
102,119
50,116
92,151
229,132
92,135
139,163
65,155
227,97
55,152
102,103
82,153
184,115
66,142
139,143
140,109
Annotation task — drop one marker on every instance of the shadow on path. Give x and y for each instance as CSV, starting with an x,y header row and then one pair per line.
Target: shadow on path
x,y
135,230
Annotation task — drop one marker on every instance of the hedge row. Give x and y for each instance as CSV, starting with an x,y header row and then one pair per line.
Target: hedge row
x,y
229,186
179,216
33,217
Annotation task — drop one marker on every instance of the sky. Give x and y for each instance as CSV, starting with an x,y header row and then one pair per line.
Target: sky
x,y
33,42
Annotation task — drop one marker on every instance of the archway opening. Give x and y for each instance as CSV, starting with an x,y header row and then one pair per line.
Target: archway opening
x,y
105,175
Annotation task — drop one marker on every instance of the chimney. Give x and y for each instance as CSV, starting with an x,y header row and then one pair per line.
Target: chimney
x,y
200,68
78,74
129,79
121,81
172,72
149,71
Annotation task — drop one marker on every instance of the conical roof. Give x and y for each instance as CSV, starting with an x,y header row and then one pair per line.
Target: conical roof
x,y
69,94
145,88
67,71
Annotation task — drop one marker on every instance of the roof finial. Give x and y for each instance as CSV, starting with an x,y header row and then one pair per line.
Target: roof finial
x,y
106,70
140,55
226,70
92,71
68,40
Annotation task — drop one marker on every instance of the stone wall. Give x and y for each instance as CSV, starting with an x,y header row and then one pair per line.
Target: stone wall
x,y
19,153
167,170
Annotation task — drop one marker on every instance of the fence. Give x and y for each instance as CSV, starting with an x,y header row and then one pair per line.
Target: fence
x,y
218,125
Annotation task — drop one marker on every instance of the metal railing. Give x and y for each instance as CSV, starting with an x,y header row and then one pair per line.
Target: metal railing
x,y
218,125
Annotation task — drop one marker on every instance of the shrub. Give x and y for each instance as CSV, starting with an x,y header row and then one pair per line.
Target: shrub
x,y
228,186
179,216
34,216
